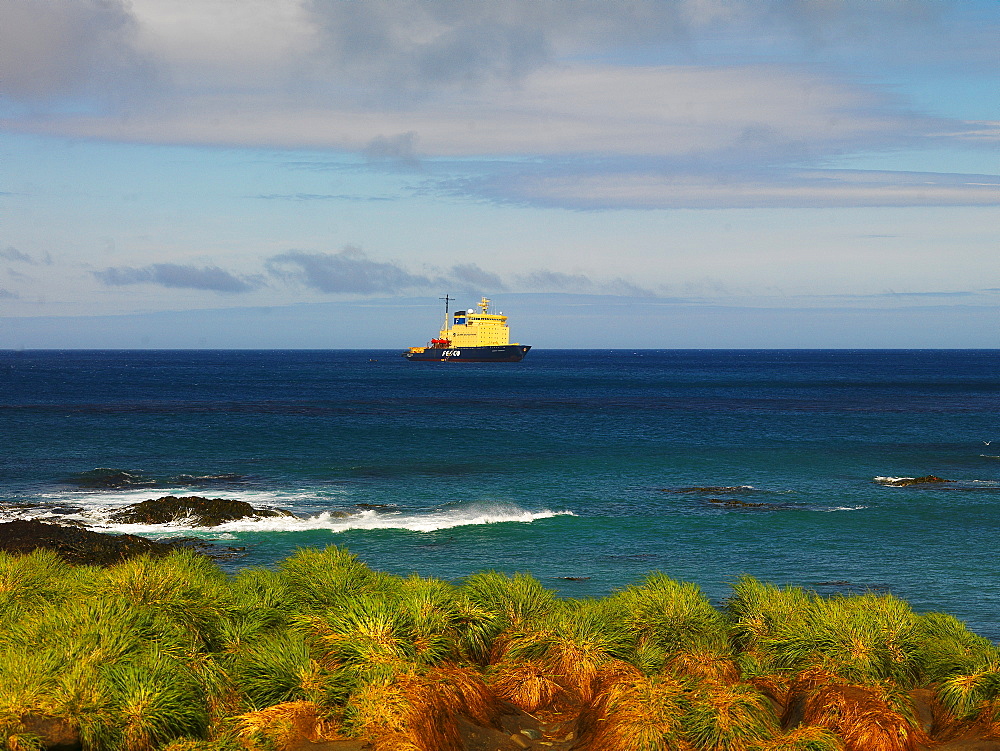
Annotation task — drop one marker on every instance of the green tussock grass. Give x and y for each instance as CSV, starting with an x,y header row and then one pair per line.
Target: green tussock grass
x,y
175,654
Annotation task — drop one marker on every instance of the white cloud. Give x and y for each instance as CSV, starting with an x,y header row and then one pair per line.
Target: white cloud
x,y
570,110
802,189
234,44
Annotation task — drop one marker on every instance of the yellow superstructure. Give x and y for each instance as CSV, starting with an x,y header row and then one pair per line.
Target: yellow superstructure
x,y
476,329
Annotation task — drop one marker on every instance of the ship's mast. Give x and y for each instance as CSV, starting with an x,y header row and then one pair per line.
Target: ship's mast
x,y
446,299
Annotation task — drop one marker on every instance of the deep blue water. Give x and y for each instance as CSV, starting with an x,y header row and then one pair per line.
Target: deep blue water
x,y
598,465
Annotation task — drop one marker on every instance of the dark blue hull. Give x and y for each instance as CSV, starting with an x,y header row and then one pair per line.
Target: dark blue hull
x,y
507,353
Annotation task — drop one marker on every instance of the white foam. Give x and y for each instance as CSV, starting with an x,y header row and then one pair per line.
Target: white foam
x,y
255,497
99,517
474,515
887,480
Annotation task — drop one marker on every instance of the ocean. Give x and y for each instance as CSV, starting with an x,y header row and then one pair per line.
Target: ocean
x,y
587,468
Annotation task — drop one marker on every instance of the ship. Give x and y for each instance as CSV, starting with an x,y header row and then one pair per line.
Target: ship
x,y
470,336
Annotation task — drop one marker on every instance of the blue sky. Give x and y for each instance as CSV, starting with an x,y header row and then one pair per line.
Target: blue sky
x,y
695,173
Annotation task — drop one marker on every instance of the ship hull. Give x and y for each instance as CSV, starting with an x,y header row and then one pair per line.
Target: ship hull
x,y
505,353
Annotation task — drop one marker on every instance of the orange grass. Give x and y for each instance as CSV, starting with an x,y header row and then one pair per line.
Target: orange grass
x,y
636,713
704,664
528,685
286,723
862,717
805,738
420,712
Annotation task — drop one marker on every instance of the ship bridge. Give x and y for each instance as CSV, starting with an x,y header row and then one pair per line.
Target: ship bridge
x,y
477,328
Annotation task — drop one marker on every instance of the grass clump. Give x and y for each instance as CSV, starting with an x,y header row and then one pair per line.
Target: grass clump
x,y
864,638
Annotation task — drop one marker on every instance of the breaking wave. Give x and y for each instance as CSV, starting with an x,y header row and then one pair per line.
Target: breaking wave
x,y
331,510
429,521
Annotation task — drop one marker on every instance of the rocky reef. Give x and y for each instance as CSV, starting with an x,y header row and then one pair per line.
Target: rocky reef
x,y
76,545
194,510
903,482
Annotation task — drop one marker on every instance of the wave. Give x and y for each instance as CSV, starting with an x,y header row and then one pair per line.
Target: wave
x,y
711,489
431,521
313,512
902,482
932,482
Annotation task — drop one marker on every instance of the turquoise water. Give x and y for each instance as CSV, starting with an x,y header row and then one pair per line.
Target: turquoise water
x,y
586,468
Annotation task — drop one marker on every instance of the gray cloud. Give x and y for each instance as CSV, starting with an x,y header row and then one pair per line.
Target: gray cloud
x,y
402,44
554,280
399,150
425,44
547,280
608,187
11,253
6,294
175,275
471,274
55,47
379,51
349,271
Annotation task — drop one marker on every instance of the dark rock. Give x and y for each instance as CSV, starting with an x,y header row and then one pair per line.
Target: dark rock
x,y
203,512
709,489
74,545
54,733
733,503
211,550
104,478
902,482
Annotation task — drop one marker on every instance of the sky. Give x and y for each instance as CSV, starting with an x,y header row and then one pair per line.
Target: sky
x,y
637,173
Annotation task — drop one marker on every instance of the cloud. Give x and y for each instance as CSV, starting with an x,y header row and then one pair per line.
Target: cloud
x,y
322,197
712,117
177,276
554,280
6,294
301,55
399,150
751,114
425,46
472,275
11,253
410,44
545,280
50,48
349,271
735,189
